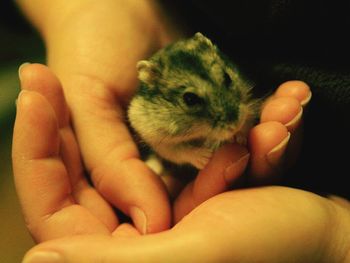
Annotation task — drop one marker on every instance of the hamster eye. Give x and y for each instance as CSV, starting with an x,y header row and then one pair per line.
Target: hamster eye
x,y
192,99
227,80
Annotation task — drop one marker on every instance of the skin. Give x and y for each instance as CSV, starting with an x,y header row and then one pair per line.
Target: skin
x,y
279,224
73,115
98,83
69,216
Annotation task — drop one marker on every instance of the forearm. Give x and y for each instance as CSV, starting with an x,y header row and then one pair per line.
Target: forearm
x,y
100,40
52,18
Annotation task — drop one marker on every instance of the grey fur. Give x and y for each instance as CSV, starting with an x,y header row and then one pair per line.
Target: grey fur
x,y
187,128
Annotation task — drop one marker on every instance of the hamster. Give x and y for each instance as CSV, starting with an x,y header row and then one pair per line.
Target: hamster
x,y
191,100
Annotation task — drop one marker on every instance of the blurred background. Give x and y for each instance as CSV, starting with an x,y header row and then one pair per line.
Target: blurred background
x,y
19,43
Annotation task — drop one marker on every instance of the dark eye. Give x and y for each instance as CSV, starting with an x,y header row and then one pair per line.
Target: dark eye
x,y
192,99
227,80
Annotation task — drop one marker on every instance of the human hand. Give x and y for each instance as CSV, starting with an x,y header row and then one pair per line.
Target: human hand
x,y
214,179
49,173
95,57
93,49
272,224
269,224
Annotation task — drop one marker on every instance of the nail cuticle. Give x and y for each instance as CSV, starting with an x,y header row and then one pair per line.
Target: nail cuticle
x,y
273,157
231,169
20,68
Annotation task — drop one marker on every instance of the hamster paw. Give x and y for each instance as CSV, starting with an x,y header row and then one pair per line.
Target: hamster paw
x,y
155,164
241,138
202,158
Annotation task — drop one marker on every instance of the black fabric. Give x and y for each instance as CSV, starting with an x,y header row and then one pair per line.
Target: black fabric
x,y
279,40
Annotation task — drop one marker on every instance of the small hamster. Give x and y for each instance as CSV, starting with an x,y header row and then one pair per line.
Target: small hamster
x,y
190,101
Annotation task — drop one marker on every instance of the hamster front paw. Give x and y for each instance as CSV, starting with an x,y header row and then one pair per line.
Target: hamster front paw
x,y
201,158
155,164
241,138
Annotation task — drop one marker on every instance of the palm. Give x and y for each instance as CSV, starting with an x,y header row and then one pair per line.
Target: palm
x,y
271,224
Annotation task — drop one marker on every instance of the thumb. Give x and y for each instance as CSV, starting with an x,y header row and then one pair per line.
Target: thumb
x,y
102,248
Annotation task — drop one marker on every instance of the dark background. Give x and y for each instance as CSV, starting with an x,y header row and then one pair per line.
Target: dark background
x,y
273,41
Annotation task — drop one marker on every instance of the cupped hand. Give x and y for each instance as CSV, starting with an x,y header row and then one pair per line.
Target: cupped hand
x,y
273,146
93,48
280,123
268,224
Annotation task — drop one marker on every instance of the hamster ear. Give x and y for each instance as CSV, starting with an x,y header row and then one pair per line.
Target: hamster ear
x,y
147,72
201,38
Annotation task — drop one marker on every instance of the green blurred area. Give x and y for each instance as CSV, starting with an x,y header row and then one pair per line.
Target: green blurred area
x,y
18,43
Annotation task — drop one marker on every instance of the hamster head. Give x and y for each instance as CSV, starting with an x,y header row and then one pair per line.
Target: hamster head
x,y
189,91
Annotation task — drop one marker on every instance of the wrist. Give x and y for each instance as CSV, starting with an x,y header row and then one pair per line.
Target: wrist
x,y
100,42
48,15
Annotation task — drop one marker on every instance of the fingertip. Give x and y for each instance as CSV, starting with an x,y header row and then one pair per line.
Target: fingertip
x,y
264,136
267,143
21,69
35,121
27,72
286,110
38,77
38,256
132,187
296,89
221,164
126,230
24,98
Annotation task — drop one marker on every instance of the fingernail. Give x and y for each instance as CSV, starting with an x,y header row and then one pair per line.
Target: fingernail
x,y
43,257
306,100
139,218
21,67
236,169
20,94
293,123
275,155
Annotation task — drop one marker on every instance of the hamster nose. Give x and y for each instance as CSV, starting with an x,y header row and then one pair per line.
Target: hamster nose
x,y
225,115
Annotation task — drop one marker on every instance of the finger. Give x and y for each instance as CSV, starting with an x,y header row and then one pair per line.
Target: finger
x,y
226,165
286,106
39,78
159,247
126,230
40,175
286,110
267,143
137,191
295,89
112,157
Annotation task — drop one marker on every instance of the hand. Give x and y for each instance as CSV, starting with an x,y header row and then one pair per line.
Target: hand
x,y
268,141
93,49
270,224
273,146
